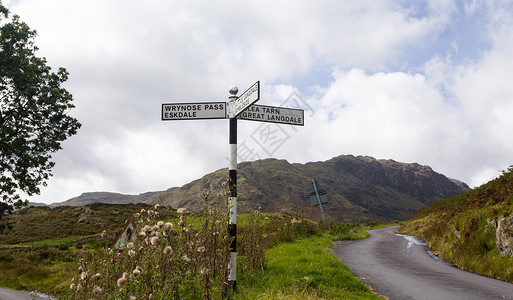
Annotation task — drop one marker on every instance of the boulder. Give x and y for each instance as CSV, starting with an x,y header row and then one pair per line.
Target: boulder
x,y
504,236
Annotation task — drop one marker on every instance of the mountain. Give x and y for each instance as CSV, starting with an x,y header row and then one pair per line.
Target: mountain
x,y
105,197
359,188
473,230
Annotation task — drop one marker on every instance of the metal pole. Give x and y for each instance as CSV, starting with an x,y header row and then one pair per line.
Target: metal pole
x,y
319,200
232,197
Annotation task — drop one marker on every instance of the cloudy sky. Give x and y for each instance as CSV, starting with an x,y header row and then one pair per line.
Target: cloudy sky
x,y
414,81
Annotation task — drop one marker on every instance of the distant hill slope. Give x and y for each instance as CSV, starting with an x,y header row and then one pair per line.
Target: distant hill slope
x,y
473,230
105,197
359,188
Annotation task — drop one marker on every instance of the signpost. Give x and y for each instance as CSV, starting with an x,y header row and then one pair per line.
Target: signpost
x,y
191,111
263,113
241,107
318,196
247,98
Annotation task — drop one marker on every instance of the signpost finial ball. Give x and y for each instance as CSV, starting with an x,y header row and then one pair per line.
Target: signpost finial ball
x,y
234,90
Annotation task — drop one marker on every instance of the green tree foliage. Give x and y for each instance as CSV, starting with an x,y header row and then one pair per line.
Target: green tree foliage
x,y
33,111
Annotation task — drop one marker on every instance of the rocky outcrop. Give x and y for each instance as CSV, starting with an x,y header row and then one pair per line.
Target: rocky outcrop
x,y
504,236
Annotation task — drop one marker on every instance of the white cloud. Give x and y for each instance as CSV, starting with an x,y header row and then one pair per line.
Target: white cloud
x,y
403,84
387,115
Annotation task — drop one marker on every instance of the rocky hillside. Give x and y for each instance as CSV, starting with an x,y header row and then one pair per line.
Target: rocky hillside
x,y
473,230
359,188
105,197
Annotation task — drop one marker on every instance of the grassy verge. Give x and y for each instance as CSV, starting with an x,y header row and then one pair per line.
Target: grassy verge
x,y
462,229
303,269
37,269
59,241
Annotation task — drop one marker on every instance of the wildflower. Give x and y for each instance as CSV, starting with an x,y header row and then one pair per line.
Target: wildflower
x,y
80,269
180,223
79,287
186,258
121,281
160,223
150,296
157,206
73,287
104,233
136,272
137,215
130,245
294,220
155,228
204,271
131,252
97,291
200,249
97,275
167,250
181,210
154,240
84,276
167,228
142,234
146,228
132,297
143,210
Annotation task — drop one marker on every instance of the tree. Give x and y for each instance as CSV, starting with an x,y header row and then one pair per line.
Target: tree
x,y
33,111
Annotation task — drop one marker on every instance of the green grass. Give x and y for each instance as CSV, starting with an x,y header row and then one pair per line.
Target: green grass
x,y
303,269
58,241
298,259
24,274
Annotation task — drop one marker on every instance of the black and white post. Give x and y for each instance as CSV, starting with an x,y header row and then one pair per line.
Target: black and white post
x,y
232,196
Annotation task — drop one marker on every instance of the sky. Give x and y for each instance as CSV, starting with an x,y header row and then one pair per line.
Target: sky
x,y
425,82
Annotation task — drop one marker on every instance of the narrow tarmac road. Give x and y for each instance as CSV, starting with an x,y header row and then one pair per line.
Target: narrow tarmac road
x,y
402,269
8,294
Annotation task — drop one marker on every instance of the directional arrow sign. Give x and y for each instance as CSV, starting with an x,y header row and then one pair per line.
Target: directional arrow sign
x,y
274,114
247,98
193,111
